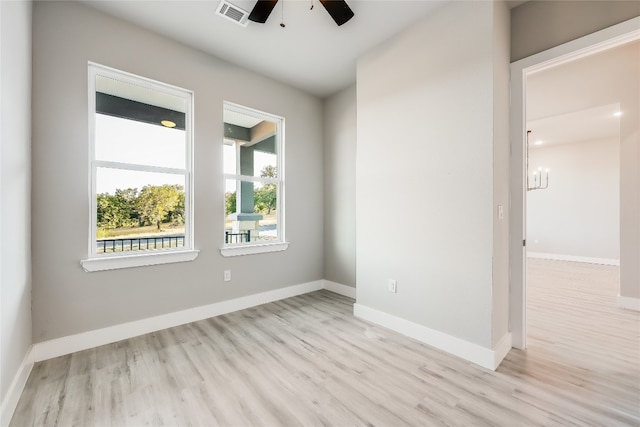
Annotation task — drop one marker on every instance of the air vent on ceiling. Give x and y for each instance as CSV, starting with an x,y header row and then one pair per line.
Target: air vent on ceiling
x,y
233,13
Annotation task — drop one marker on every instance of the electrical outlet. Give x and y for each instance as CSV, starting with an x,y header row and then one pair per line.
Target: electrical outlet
x,y
393,285
227,275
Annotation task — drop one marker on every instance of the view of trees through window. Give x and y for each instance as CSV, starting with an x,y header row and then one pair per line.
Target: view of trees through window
x,y
136,209
265,196
140,166
253,183
148,211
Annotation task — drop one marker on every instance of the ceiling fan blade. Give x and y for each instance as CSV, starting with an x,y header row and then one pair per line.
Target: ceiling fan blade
x,y
262,10
338,9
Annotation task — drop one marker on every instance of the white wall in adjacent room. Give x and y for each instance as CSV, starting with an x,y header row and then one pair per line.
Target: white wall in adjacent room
x,y
579,214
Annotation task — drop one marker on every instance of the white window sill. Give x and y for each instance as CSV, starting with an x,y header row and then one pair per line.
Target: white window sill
x,y
138,260
253,249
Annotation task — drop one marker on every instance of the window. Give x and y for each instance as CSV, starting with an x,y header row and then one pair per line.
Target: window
x,y
254,181
140,135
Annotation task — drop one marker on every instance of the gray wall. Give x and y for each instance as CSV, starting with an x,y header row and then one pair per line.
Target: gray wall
x,y
541,25
340,187
579,214
15,188
425,171
501,150
66,300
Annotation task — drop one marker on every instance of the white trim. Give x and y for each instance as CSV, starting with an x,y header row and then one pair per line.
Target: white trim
x,y
575,258
281,243
139,167
90,339
339,288
629,303
247,178
253,249
599,41
458,347
16,388
95,70
139,260
501,350
592,43
242,109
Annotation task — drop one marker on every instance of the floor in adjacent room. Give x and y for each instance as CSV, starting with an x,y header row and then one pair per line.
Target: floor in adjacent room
x,y
307,361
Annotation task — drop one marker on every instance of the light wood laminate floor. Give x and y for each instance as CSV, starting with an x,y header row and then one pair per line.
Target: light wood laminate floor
x,y
307,361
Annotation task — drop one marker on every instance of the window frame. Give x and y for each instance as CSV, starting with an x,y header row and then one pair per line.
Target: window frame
x,y
108,261
281,244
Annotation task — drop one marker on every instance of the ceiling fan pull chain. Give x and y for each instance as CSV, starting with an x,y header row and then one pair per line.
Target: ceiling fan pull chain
x,y
282,21
311,5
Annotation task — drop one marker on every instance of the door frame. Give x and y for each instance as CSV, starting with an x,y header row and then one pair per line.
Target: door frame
x,y
588,45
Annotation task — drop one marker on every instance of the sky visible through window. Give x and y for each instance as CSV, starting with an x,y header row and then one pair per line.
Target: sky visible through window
x,y
129,141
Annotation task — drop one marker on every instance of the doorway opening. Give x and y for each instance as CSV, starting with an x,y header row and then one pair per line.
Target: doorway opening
x,y
521,71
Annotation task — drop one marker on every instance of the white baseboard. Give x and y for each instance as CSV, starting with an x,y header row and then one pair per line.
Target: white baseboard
x,y
338,288
501,350
10,401
458,347
575,258
90,339
629,303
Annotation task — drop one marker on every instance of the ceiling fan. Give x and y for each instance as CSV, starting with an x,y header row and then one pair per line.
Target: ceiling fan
x,y
338,9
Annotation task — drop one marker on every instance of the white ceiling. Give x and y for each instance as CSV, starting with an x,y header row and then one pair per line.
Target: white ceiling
x,y
311,53
315,55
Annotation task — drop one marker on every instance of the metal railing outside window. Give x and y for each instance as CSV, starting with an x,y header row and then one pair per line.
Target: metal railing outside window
x,y
139,243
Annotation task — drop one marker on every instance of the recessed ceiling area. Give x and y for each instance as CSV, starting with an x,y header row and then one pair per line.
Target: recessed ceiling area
x,y
578,100
585,125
